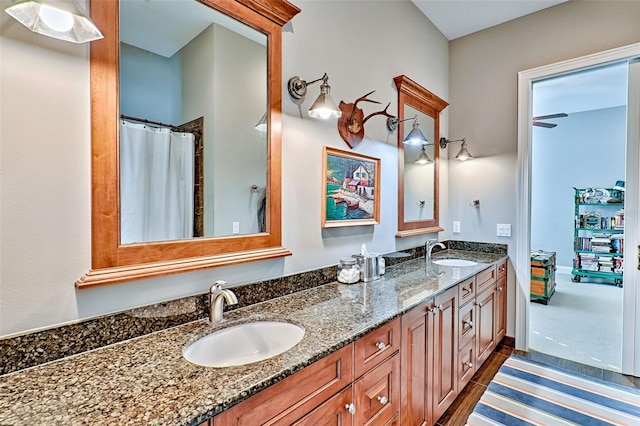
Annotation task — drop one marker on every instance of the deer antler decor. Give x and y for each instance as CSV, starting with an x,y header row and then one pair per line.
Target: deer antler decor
x,y
351,123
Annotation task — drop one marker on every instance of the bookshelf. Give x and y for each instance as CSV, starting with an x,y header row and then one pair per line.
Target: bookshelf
x,y
598,234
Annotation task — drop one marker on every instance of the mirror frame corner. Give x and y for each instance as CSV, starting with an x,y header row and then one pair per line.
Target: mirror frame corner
x,y
413,94
112,262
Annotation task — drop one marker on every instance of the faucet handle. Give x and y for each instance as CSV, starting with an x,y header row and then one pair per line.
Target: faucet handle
x,y
217,286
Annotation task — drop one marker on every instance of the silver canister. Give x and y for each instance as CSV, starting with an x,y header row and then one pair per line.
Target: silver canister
x,y
369,269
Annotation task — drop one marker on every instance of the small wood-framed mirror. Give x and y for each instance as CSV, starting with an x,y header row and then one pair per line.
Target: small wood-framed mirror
x,y
418,165
119,258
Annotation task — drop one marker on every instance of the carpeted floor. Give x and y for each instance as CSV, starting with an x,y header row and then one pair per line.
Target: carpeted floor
x,y
582,322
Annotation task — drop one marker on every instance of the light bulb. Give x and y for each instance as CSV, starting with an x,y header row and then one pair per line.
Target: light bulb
x,y
56,19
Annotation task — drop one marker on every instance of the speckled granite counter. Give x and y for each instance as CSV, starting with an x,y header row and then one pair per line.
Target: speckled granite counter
x,y
147,381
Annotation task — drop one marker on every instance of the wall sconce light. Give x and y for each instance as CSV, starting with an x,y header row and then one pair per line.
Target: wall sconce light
x,y
424,158
262,123
463,154
324,107
415,136
62,21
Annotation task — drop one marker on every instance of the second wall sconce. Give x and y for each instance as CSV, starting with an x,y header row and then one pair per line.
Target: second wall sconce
x,y
324,107
463,154
415,136
61,20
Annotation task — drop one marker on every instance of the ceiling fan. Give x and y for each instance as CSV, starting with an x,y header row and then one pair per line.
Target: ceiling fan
x,y
536,121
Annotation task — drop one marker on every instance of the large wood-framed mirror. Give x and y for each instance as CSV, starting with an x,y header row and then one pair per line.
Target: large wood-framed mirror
x,y
418,182
228,202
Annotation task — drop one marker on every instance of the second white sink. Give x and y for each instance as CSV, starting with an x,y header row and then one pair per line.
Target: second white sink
x,y
454,262
244,343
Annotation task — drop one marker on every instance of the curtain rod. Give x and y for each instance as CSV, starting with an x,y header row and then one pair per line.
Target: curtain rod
x,y
158,123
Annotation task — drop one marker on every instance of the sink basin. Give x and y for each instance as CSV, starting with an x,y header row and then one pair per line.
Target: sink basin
x,y
244,343
455,262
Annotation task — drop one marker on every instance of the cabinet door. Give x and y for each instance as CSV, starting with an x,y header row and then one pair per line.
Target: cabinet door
x,y
501,308
334,412
486,329
417,326
445,351
377,394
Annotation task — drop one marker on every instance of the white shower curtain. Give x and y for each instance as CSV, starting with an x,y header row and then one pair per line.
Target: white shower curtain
x,y
156,184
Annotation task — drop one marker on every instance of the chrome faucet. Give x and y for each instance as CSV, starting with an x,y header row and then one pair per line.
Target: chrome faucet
x,y
428,248
217,297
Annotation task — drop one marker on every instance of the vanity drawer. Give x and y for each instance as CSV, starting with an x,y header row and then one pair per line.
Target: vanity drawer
x,y
466,325
377,394
485,278
376,346
466,291
293,397
502,269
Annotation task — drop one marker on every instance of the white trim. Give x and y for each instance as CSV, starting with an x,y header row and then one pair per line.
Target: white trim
x,y
523,192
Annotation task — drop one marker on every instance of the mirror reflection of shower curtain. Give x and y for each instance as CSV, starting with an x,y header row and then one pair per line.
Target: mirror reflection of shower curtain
x,y
156,184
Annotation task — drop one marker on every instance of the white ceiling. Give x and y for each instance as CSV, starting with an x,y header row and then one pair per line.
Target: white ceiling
x,y
597,88
457,18
583,91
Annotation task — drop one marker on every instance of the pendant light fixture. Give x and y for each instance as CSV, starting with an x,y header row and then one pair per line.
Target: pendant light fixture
x,y
463,154
424,158
415,136
61,20
324,106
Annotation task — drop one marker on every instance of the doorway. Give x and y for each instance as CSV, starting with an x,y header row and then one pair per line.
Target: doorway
x,y
578,141
522,262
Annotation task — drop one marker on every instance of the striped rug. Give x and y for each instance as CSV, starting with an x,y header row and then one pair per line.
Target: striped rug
x,y
526,392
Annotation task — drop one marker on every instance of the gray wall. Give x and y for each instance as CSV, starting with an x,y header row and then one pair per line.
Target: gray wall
x,y
483,95
587,149
45,158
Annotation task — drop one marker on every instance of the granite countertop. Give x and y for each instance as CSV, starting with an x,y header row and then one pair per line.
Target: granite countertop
x,y
146,381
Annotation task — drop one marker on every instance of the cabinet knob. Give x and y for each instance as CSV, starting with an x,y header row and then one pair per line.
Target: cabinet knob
x,y
380,345
350,408
499,288
382,399
466,290
468,323
468,364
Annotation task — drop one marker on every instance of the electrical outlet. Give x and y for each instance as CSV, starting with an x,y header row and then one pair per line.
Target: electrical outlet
x,y
236,227
456,226
503,229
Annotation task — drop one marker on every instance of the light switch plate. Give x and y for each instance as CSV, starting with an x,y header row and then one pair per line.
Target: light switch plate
x,y
503,229
236,227
456,227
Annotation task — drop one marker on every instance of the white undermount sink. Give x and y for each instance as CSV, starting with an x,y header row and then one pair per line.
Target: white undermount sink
x,y
243,344
454,262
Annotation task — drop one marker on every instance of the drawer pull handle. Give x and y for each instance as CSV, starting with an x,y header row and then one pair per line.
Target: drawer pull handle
x,y
468,323
501,269
380,345
466,290
382,400
350,408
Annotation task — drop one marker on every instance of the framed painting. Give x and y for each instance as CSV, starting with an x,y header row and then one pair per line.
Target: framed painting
x,y
350,189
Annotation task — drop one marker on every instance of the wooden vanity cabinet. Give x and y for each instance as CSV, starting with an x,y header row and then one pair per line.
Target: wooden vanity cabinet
x,y
429,359
364,376
491,310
